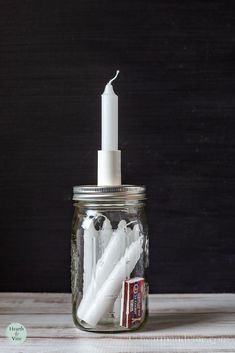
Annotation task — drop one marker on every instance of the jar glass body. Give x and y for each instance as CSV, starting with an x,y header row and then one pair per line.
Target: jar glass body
x,y
109,262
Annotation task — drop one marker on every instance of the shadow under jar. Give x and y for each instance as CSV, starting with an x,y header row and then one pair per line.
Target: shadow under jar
x,y
109,258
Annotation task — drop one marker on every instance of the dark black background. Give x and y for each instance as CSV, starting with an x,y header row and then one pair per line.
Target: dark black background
x,y
176,110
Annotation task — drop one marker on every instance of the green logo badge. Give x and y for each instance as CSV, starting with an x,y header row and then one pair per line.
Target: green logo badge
x,y
16,333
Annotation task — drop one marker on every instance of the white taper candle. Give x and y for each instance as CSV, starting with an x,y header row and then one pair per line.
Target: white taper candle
x,y
109,157
109,113
90,253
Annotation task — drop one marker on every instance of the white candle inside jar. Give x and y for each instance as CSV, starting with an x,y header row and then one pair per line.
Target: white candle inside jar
x,y
105,234
90,237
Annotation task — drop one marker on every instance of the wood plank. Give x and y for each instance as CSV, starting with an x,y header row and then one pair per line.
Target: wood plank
x,y
109,345
171,303
177,323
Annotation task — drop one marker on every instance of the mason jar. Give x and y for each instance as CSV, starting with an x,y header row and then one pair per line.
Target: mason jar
x,y
109,258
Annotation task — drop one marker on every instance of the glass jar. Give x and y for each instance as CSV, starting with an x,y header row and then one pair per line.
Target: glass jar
x,y
109,258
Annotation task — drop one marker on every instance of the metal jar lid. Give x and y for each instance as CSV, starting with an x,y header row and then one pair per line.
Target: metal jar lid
x,y
108,193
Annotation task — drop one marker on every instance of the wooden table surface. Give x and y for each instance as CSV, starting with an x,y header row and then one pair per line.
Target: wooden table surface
x,y
177,323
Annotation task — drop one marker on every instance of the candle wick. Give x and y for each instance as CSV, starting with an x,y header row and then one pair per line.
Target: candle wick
x,y
117,72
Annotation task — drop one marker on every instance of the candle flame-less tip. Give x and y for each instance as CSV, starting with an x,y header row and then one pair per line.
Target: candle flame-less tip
x,y
117,72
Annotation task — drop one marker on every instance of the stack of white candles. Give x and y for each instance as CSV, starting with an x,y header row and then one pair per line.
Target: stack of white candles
x,y
103,276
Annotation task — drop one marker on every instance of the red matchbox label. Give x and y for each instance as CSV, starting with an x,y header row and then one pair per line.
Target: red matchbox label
x,y
131,302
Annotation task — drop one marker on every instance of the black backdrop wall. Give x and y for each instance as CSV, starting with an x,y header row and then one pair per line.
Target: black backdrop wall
x,y
175,89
